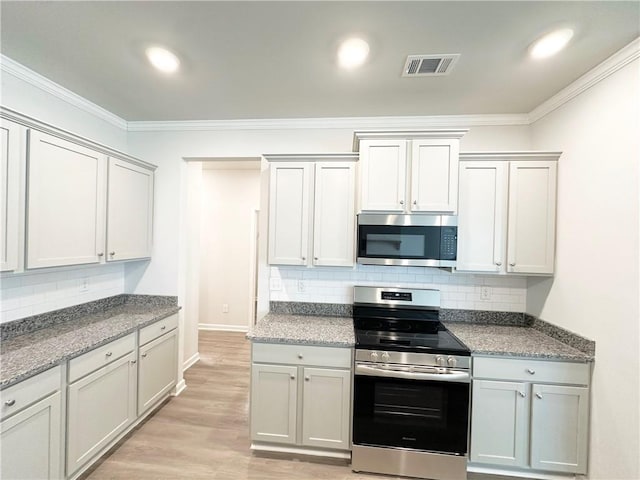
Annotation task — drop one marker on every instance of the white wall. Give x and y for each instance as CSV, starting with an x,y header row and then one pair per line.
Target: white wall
x,y
229,200
595,291
38,292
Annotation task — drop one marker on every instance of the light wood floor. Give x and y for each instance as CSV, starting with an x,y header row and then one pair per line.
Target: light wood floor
x,y
204,432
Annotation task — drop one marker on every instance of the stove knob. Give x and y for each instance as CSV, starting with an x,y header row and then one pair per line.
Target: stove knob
x,y
452,361
374,356
440,360
385,357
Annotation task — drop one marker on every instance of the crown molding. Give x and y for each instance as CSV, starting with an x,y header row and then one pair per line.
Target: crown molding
x,y
11,67
419,122
610,66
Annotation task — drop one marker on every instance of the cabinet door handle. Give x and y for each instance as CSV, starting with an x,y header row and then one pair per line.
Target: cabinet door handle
x,y
300,356
293,377
401,202
10,403
112,253
133,362
415,202
101,254
512,264
499,264
164,327
144,355
530,371
522,394
315,258
108,354
539,395
306,379
304,259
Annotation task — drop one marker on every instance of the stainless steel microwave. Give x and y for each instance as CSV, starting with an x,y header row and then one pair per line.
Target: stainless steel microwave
x,y
410,240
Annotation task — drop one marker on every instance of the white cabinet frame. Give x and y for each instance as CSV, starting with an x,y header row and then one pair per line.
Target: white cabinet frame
x,y
12,135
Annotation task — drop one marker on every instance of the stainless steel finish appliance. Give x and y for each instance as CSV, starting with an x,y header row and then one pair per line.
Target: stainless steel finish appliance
x,y
411,387
410,240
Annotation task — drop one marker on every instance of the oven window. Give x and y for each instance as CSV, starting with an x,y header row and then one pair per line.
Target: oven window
x,y
425,415
386,241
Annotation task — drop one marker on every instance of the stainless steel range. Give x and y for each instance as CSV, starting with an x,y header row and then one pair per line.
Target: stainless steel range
x,y
411,387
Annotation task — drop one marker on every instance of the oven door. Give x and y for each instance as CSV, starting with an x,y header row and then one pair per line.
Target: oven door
x,y
423,414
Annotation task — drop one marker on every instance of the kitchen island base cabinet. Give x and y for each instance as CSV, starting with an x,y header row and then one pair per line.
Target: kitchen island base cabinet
x,y
100,407
300,408
530,415
31,429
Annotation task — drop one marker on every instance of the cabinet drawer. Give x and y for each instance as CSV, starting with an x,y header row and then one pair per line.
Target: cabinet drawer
x,y
29,391
302,355
529,370
153,331
101,356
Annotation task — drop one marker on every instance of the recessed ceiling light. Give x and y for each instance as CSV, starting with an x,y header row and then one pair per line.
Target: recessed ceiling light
x,y
353,53
551,43
163,59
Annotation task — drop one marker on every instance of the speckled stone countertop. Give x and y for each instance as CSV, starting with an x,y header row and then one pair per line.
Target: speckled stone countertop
x,y
304,329
517,341
26,355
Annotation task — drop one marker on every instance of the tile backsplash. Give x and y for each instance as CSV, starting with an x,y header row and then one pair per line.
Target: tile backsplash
x,y
32,293
458,290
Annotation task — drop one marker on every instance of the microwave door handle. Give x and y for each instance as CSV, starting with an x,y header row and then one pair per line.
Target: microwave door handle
x,y
457,376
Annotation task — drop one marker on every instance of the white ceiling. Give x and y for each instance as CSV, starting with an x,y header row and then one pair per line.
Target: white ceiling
x,y
265,59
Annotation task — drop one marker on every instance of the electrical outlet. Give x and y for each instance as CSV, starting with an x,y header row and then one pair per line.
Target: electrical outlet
x,y
84,285
485,293
225,308
275,284
301,286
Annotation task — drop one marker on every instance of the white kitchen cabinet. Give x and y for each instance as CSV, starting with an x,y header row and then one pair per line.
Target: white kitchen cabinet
x,y
31,430
129,210
101,405
157,369
311,210
301,397
409,171
65,202
507,213
11,135
530,414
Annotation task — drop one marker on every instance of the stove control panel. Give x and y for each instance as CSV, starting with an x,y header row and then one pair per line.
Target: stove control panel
x,y
411,358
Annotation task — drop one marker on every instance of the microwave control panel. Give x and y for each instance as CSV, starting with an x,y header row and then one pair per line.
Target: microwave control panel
x,y
448,243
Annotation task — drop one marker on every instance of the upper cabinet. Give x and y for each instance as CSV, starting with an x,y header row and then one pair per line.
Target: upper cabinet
x,y
11,135
129,210
409,171
76,202
311,209
507,212
65,201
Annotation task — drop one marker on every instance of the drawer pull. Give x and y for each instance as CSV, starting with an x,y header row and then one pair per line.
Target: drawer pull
x,y
300,356
108,354
539,395
531,371
10,403
306,379
133,362
144,355
522,394
293,377
164,327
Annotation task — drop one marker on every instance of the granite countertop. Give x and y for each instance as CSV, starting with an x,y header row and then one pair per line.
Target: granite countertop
x,y
304,330
517,341
26,355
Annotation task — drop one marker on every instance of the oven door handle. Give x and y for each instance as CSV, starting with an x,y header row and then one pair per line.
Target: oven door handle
x,y
456,376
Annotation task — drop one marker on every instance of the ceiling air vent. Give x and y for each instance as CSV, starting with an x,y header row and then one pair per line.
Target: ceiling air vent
x,y
429,65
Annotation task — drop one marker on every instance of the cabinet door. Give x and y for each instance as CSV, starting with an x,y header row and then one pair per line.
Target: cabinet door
x,y
129,210
559,420
499,423
274,396
31,442
334,214
482,216
383,175
434,175
290,189
157,375
532,217
10,137
66,203
326,407
100,406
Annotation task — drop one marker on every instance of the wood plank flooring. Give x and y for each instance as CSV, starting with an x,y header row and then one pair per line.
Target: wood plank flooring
x,y
204,432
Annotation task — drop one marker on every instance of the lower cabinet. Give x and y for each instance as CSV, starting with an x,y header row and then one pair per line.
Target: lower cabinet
x,y
100,407
298,405
31,432
538,421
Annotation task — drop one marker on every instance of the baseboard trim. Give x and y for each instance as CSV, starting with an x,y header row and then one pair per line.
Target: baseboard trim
x,y
220,327
316,452
190,362
179,388
527,474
